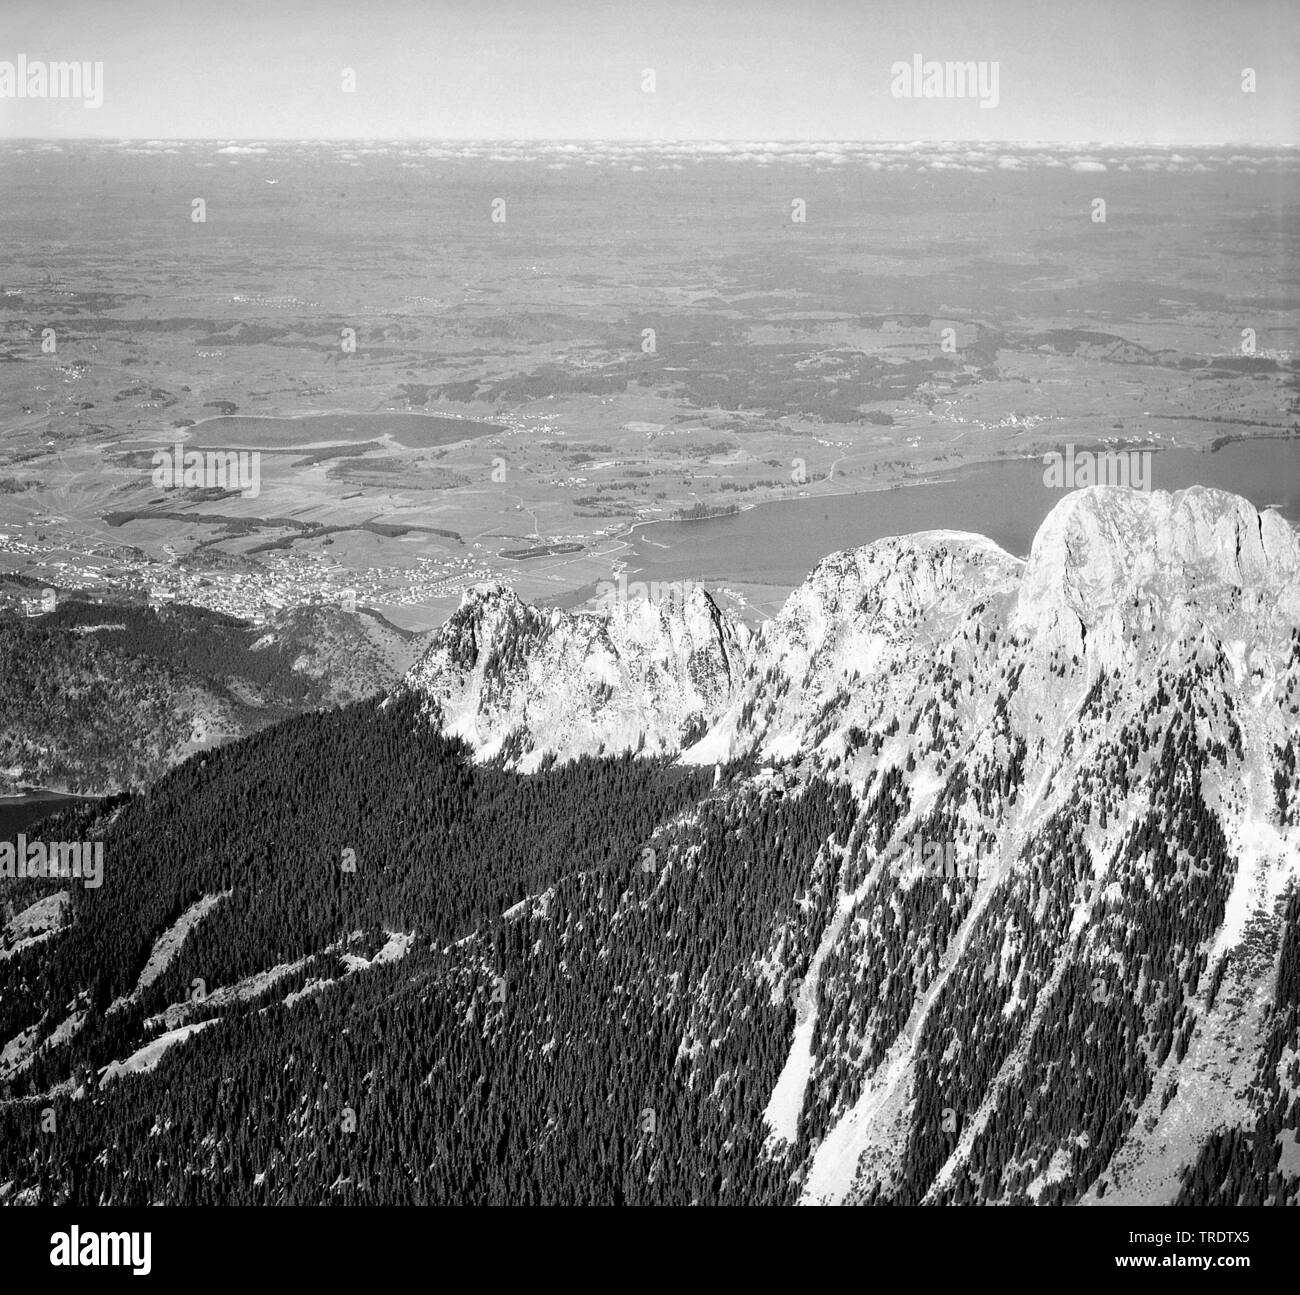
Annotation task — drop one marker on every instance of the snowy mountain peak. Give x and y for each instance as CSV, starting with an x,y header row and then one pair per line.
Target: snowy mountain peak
x,y
1126,567
1102,545
632,675
1117,581
1101,743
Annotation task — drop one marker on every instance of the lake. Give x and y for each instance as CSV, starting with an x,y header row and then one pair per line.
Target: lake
x,y
779,543
20,812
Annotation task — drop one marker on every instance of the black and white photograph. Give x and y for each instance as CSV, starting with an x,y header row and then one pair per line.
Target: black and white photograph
x,y
649,603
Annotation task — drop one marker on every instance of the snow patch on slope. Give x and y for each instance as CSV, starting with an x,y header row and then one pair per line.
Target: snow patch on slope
x,y
36,923
168,945
147,1058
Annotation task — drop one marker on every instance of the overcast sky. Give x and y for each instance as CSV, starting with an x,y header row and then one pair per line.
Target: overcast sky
x,y
1149,71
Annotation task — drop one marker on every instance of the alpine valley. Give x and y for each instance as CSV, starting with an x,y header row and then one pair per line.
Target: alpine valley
x,y
964,879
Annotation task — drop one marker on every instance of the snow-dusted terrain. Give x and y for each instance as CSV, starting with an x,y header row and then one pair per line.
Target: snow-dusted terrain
x,y
980,882
519,682
1103,723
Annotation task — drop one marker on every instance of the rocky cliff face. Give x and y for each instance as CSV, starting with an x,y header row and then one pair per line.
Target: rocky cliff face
x,y
1117,580
1099,741
521,683
993,896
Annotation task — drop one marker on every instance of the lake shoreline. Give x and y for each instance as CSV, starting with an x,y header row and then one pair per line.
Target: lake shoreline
x,y
947,475
1003,498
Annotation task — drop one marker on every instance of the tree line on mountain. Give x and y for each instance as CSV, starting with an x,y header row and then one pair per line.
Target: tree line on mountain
x,y
1241,1164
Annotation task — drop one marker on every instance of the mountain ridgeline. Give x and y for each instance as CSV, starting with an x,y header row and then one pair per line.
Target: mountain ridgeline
x,y
101,697
967,879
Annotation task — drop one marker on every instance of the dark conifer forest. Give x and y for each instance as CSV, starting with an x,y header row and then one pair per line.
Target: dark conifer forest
x,y
505,1058
417,979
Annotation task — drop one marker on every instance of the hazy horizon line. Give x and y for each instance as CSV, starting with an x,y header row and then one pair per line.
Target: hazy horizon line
x,y
637,139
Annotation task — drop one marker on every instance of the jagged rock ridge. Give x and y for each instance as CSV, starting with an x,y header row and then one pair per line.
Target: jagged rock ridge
x,y
1103,739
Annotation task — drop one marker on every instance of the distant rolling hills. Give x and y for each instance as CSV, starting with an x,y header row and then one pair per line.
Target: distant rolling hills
x,y
103,697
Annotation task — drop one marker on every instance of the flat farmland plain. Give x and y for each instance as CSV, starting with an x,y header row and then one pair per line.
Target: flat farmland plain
x,y
450,356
